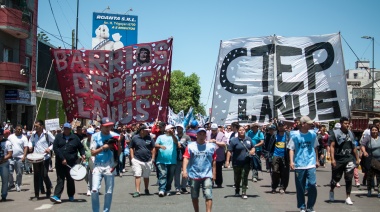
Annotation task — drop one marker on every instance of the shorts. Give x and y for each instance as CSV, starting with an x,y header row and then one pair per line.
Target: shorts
x,y
140,168
206,185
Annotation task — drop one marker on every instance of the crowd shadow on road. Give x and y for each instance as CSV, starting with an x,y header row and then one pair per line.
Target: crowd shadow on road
x,y
249,196
75,201
336,201
8,200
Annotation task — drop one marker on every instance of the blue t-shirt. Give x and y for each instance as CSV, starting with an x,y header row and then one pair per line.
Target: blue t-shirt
x,y
105,156
279,146
169,155
303,145
200,159
256,138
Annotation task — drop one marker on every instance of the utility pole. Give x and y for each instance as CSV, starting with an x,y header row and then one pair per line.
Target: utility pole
x,y
73,39
76,42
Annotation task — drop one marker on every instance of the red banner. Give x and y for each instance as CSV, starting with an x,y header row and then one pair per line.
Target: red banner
x,y
128,85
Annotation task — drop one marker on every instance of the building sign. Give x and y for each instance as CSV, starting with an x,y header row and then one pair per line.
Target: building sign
x,y
128,85
18,97
284,77
113,31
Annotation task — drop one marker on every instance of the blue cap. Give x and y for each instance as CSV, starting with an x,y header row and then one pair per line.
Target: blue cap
x,y
67,125
194,123
273,127
201,129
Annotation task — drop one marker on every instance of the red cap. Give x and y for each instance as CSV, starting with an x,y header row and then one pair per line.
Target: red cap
x,y
7,132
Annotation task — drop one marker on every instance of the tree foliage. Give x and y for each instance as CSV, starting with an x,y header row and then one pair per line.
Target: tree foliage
x,y
185,92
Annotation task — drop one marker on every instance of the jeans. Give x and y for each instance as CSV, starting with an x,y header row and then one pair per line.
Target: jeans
x,y
63,172
300,178
256,165
88,178
165,176
17,165
120,166
4,174
241,175
178,176
96,181
40,171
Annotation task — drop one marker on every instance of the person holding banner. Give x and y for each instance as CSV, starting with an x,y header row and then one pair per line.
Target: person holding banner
x,y
41,142
104,164
66,147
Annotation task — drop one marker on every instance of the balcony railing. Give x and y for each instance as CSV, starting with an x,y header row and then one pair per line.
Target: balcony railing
x,y
15,22
11,74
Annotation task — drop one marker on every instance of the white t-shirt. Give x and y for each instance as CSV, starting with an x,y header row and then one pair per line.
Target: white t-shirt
x,y
5,147
18,144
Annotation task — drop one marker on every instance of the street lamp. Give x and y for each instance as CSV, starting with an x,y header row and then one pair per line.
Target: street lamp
x,y
373,69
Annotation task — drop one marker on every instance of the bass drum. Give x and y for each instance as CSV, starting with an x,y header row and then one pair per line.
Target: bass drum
x,y
78,172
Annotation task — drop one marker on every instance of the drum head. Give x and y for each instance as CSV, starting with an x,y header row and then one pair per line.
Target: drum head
x,y
35,157
78,172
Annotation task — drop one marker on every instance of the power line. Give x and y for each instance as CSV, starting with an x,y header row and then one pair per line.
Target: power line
x,y
51,8
359,60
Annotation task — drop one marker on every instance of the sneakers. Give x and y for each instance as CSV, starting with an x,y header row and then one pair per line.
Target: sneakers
x,y
18,189
244,196
123,171
55,199
11,187
282,191
168,193
369,194
348,201
337,185
254,179
358,184
88,193
161,194
331,196
273,191
310,210
237,194
71,199
302,210
177,192
136,194
146,191
184,191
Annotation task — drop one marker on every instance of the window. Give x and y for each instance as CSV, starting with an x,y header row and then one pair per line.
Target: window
x,y
8,54
355,75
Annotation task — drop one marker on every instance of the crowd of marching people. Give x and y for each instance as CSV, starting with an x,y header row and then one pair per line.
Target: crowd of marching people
x,y
190,157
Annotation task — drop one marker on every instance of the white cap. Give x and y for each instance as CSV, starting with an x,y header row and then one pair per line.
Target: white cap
x,y
169,126
338,126
214,126
179,125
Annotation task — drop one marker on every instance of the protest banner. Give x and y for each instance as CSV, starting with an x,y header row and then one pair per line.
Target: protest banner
x,y
52,124
128,85
258,79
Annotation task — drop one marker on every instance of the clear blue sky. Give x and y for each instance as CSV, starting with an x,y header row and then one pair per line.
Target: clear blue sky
x,y
198,26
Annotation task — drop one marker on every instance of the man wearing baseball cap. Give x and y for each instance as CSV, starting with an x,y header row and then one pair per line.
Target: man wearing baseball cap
x,y
167,145
192,132
200,166
104,164
183,140
66,147
303,155
142,151
217,137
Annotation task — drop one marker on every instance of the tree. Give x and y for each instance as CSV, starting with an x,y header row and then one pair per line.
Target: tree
x,y
185,92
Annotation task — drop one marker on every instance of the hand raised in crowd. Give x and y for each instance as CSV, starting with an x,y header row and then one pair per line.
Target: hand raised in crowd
x,y
291,166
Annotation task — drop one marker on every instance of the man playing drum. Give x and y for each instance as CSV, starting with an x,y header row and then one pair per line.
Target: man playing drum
x,y
41,143
66,146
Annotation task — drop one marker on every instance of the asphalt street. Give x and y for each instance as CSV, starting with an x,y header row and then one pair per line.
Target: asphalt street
x,y
259,194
